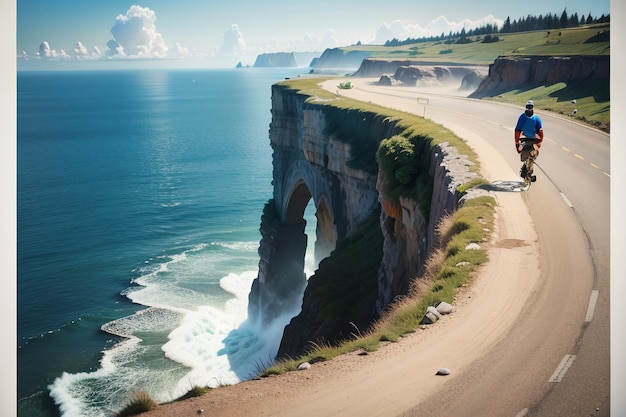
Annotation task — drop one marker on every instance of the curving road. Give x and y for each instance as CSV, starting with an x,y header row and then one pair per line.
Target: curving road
x,y
556,359
529,337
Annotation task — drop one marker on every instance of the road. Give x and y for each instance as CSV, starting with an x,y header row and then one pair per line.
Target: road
x,y
556,360
528,337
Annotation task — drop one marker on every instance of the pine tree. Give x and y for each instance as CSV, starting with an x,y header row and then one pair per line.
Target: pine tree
x,y
564,20
506,28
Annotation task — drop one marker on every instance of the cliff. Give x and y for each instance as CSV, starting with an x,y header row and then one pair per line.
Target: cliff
x,y
337,58
280,59
512,72
372,245
285,59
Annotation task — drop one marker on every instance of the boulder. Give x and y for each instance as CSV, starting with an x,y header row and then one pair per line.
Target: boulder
x,y
444,308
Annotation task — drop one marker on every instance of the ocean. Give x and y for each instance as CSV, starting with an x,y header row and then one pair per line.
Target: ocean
x,y
140,195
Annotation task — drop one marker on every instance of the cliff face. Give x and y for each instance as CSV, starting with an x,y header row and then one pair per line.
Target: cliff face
x,y
327,154
336,58
511,72
375,67
278,59
420,73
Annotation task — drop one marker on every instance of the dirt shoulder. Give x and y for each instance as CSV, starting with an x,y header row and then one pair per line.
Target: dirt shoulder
x,y
400,375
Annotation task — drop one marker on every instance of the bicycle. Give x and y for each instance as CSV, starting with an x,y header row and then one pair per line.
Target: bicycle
x,y
529,153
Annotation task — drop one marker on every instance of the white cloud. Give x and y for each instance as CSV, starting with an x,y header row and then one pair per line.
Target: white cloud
x,y
47,53
179,51
80,50
135,36
401,31
233,43
135,32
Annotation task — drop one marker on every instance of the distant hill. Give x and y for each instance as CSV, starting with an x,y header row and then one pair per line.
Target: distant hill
x,y
477,50
285,59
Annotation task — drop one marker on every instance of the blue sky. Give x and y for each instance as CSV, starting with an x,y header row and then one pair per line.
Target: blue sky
x,y
224,33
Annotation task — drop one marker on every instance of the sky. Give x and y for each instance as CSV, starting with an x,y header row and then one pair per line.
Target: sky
x,y
221,34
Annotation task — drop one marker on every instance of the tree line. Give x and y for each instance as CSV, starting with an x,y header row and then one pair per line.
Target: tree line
x,y
549,21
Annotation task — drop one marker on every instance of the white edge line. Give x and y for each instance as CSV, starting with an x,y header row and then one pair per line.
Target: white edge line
x,y
566,362
569,204
592,305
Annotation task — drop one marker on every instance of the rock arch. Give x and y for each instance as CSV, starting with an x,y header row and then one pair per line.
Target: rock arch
x,y
309,164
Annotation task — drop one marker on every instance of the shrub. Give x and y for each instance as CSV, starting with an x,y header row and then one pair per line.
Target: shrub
x,y
140,403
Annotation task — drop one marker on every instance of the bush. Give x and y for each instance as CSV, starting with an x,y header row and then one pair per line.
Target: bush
x,y
401,160
140,403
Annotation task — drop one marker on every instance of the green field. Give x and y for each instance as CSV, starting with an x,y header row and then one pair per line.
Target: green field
x,y
592,97
559,42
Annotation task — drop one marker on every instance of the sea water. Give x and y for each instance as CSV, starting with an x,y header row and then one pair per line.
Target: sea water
x,y
140,194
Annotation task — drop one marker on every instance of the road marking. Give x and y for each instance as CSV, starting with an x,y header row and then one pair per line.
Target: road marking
x,y
582,158
522,413
592,305
558,375
569,203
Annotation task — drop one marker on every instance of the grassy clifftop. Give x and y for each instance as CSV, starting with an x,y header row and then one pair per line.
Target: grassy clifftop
x,y
558,42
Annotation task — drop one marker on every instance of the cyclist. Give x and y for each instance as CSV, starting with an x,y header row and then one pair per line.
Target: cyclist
x,y
530,125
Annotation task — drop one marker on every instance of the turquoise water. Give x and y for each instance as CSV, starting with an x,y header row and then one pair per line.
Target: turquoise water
x,y
139,201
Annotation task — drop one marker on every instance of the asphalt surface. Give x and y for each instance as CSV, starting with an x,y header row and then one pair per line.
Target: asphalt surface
x,y
556,360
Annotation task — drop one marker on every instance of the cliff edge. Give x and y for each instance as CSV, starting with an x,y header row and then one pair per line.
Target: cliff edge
x,y
513,72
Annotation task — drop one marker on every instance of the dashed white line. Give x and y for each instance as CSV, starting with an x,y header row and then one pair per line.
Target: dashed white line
x,y
569,203
592,306
558,375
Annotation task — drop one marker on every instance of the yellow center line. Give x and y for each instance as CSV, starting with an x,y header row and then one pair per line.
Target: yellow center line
x,y
580,157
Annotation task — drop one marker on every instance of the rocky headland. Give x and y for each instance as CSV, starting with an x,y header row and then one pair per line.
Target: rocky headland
x,y
514,72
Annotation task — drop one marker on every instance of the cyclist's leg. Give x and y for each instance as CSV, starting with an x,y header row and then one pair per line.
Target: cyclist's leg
x,y
532,155
524,157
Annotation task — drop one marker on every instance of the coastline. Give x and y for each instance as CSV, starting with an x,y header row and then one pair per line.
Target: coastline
x,y
401,375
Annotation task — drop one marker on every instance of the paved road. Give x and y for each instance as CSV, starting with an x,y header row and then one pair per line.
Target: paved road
x,y
556,361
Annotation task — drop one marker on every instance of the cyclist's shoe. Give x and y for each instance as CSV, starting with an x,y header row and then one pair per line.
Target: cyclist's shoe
x,y
523,171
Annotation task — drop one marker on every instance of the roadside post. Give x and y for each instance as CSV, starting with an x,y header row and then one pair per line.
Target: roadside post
x,y
423,102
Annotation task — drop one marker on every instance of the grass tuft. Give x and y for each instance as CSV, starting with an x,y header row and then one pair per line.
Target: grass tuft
x,y
140,402
440,281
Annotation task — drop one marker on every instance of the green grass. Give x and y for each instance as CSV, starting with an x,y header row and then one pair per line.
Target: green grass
x,y
350,121
140,402
472,223
570,42
411,142
592,97
593,104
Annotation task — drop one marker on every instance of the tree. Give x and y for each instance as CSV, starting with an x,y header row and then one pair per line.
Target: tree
x,y
506,28
564,19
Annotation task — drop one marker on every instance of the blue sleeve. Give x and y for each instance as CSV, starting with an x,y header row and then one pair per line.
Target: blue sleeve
x,y
520,122
538,124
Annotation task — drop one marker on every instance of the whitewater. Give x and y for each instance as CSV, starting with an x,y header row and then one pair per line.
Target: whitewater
x,y
140,196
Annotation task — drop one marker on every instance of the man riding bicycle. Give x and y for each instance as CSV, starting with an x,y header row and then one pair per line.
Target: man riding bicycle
x,y
528,145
